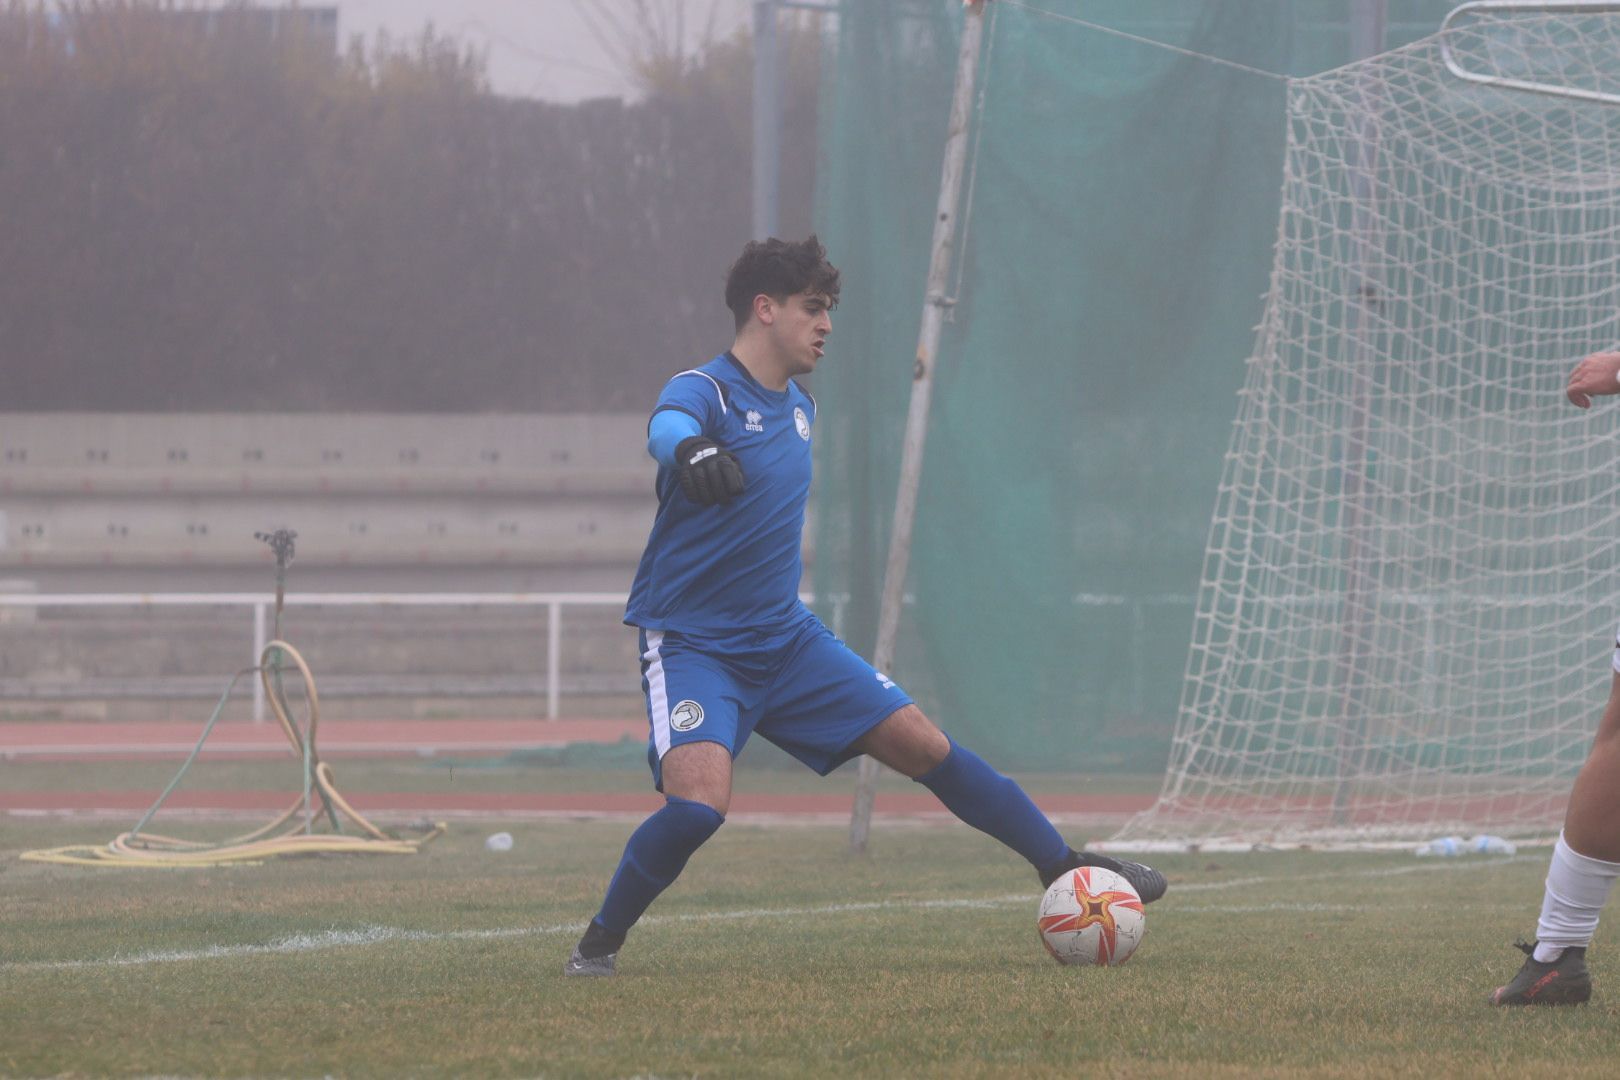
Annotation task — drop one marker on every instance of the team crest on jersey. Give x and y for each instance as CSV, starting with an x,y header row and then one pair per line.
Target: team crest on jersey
x,y
754,419
802,422
686,716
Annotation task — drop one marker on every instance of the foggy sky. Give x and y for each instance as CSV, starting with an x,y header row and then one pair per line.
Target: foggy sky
x,y
535,48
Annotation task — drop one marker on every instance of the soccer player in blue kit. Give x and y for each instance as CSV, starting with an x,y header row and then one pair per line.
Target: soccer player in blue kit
x,y
728,649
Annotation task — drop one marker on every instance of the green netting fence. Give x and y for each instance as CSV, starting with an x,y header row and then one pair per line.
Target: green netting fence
x,y
1124,204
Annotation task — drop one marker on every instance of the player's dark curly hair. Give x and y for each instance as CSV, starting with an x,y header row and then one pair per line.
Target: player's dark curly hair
x,y
779,269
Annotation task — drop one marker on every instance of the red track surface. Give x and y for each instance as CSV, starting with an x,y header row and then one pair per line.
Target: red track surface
x,y
64,741
59,741
529,804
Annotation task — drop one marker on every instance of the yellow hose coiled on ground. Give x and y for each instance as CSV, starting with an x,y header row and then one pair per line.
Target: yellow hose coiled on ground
x,y
143,849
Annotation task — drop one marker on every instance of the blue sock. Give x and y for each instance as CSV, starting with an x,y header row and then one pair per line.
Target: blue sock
x,y
654,857
993,804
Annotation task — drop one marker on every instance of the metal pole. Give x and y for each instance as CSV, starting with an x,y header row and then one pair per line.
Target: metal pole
x,y
259,642
767,119
1367,18
1577,7
553,658
935,304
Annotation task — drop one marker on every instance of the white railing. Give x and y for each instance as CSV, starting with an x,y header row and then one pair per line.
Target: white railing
x,y
262,603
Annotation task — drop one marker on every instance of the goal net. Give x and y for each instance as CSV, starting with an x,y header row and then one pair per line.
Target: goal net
x,y
1409,591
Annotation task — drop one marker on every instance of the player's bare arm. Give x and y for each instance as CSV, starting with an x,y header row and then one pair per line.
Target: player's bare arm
x,y
1597,375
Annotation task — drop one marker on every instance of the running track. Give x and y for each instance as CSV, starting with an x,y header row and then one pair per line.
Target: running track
x,y
239,740
338,739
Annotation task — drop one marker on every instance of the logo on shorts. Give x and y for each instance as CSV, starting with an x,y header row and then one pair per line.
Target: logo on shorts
x,y
802,422
686,716
754,419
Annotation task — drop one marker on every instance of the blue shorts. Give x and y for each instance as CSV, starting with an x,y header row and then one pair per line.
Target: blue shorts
x,y
799,687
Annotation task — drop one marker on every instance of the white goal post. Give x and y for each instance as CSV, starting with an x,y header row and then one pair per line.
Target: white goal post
x,y
1411,585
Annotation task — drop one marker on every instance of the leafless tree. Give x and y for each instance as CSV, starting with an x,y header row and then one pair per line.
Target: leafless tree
x,y
647,40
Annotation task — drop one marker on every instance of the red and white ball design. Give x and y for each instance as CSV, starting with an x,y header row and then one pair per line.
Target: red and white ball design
x,y
1091,916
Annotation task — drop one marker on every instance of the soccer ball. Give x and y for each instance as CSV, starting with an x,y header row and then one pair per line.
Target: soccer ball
x,y
1091,916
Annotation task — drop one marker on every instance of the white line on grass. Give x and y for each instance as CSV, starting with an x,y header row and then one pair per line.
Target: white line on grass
x,y
377,935
1388,871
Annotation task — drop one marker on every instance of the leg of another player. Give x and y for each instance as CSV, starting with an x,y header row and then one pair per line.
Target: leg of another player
x,y
909,743
1586,860
697,794
1592,823
1585,864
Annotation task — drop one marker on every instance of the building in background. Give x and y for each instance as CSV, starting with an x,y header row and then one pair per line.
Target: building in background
x,y
271,23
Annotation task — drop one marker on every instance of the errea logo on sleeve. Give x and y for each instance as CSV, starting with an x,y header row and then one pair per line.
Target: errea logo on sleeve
x,y
753,421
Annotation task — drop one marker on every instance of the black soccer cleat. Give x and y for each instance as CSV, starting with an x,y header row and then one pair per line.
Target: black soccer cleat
x,y
1564,981
1148,882
597,952
597,966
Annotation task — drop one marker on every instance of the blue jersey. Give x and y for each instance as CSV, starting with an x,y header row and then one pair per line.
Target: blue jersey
x,y
732,567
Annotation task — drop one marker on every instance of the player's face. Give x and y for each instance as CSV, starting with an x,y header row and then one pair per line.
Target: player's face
x,y
800,327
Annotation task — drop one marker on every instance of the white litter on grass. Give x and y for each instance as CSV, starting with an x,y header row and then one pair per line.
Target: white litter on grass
x,y
357,937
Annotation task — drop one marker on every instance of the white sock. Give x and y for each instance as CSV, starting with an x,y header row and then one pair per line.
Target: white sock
x,y
1577,888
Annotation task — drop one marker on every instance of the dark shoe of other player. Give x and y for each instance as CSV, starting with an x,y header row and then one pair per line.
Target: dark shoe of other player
x,y
1148,882
1564,981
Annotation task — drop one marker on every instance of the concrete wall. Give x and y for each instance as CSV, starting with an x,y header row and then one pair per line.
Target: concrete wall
x,y
83,493
119,503
409,503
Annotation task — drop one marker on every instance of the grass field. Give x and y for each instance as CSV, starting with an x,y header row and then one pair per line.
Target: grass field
x,y
777,955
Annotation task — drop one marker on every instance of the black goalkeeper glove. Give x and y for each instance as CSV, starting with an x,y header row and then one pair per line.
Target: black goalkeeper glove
x,y
709,472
